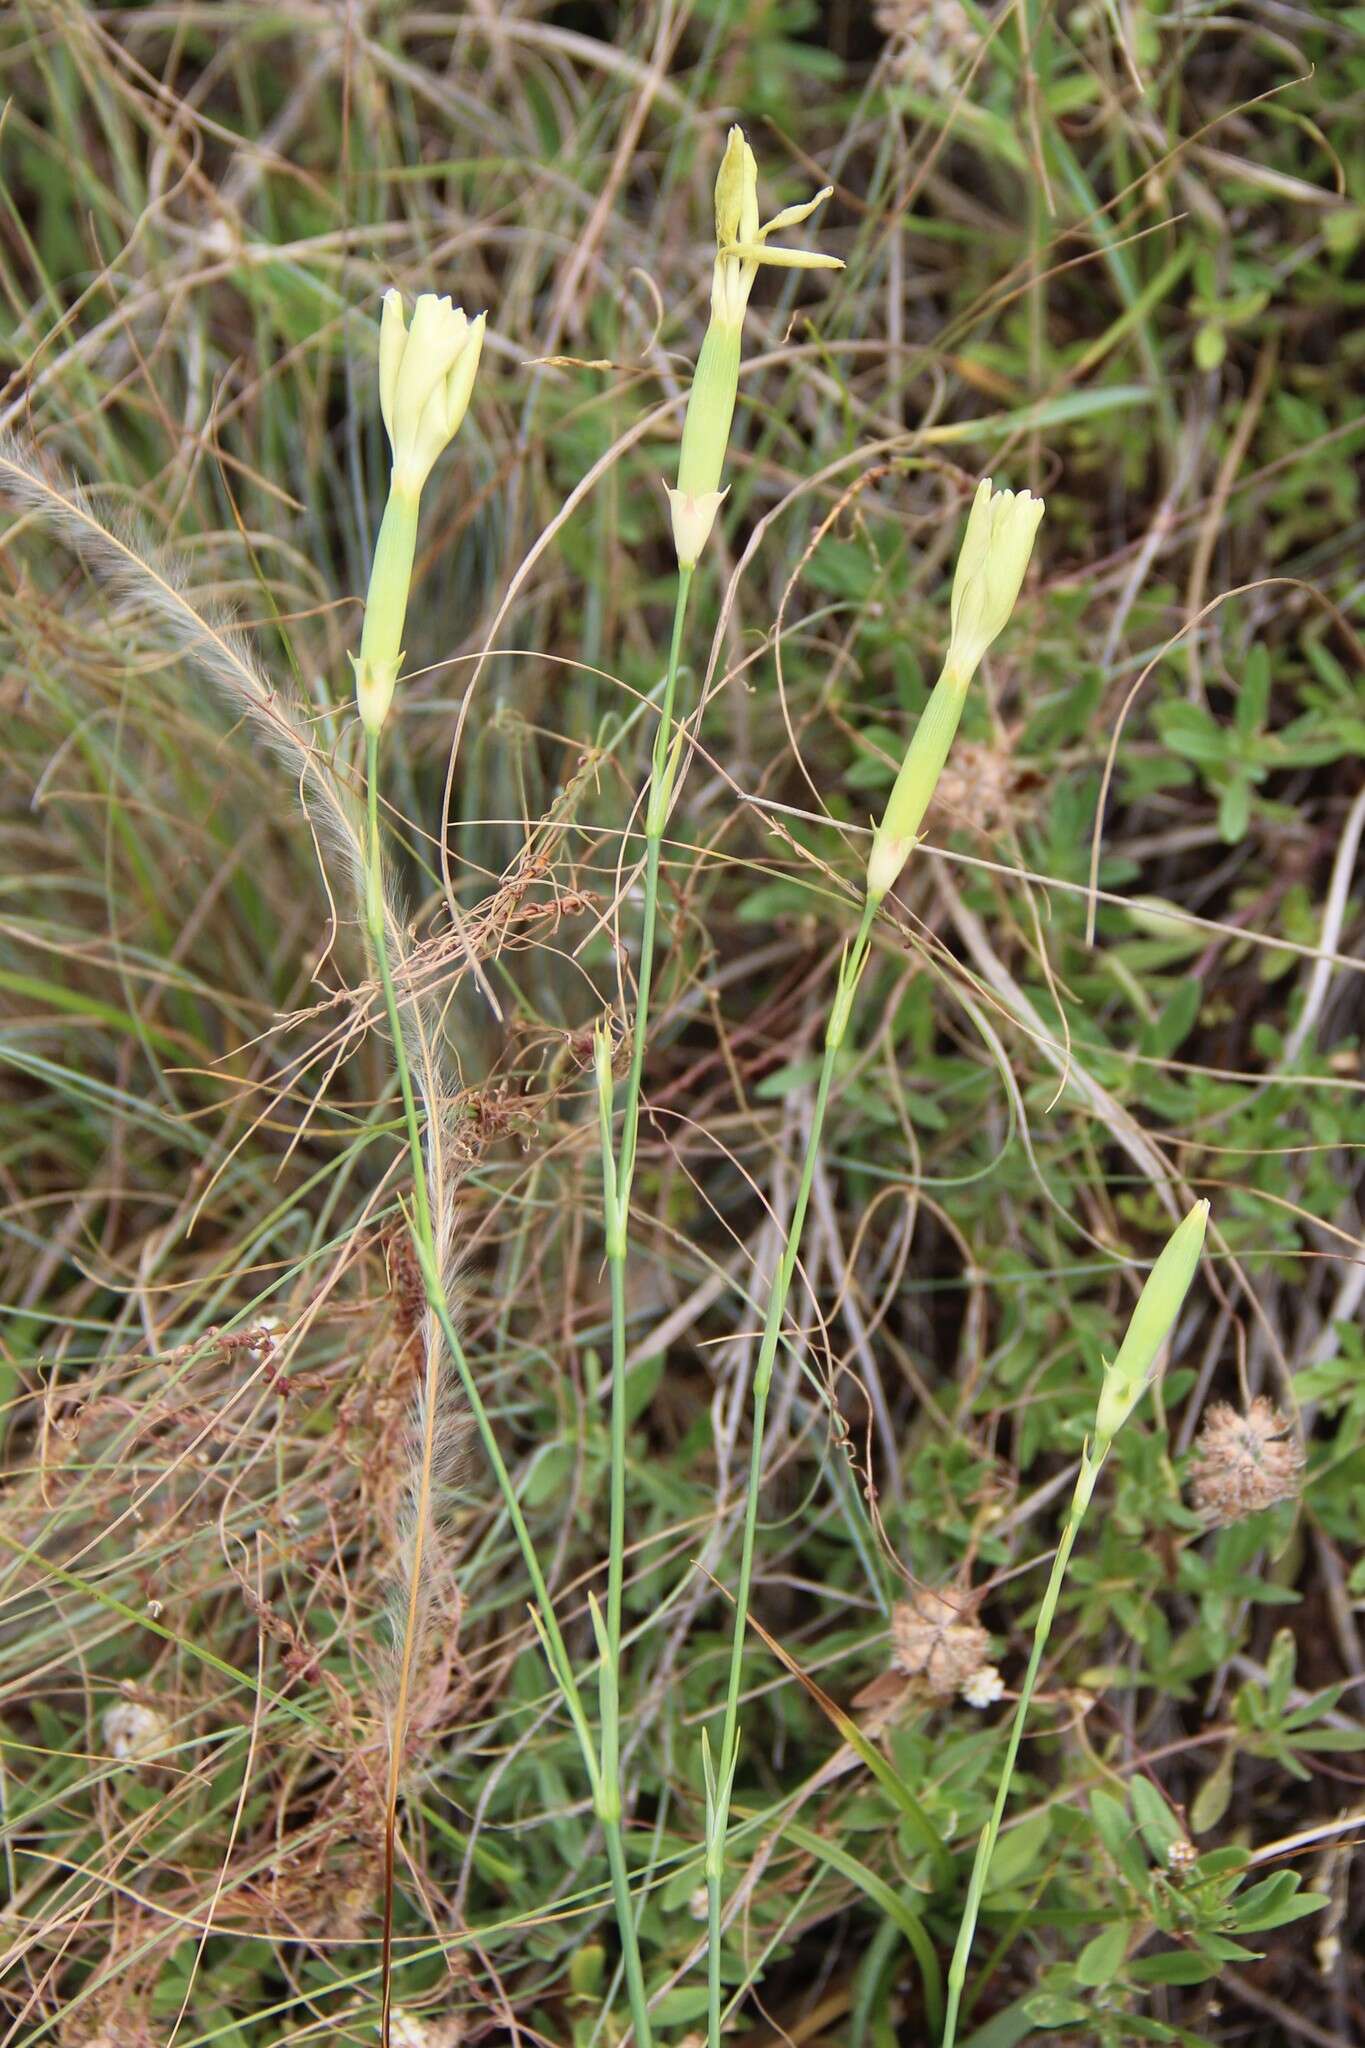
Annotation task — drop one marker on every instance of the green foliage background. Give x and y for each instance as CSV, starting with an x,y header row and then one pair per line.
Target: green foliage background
x,y
1109,252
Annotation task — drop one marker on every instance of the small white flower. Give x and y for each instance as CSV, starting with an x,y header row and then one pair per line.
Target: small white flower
x,y
426,376
984,1687
990,571
408,2030
134,1733
413,2030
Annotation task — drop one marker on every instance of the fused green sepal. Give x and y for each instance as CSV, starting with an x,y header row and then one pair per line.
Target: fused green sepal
x,y
705,437
386,608
913,790
613,1219
1159,1303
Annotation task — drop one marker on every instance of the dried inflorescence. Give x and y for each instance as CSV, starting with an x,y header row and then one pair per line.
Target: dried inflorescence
x,y
1243,1463
931,42
936,1638
980,789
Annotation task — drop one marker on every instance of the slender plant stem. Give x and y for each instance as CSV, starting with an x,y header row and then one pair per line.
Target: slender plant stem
x,y
620,1173
662,772
374,914
428,1254
985,1848
850,974
622,1169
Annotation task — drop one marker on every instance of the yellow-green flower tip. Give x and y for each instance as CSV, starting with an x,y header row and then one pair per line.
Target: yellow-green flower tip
x,y
1160,1302
426,377
736,191
742,242
990,570
602,1058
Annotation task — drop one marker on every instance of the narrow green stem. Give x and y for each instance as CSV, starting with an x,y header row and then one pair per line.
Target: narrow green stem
x,y
379,938
622,1169
850,974
619,1173
663,769
985,1850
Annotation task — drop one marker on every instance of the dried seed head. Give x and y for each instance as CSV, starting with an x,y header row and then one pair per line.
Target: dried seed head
x,y
929,41
1243,1463
936,1638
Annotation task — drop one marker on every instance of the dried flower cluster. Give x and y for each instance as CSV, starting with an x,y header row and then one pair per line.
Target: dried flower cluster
x,y
935,1637
932,41
1243,1463
979,789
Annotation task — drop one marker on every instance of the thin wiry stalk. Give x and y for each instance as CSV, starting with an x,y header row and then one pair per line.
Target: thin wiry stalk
x,y
411,1629
662,766
721,1782
985,1848
620,1172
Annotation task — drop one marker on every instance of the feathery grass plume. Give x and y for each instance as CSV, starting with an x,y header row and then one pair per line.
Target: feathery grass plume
x,y
426,379
153,584
153,588
1158,1305
742,245
995,552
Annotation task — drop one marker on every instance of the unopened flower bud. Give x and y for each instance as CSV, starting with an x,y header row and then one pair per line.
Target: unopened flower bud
x,y
990,571
426,376
1163,1293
